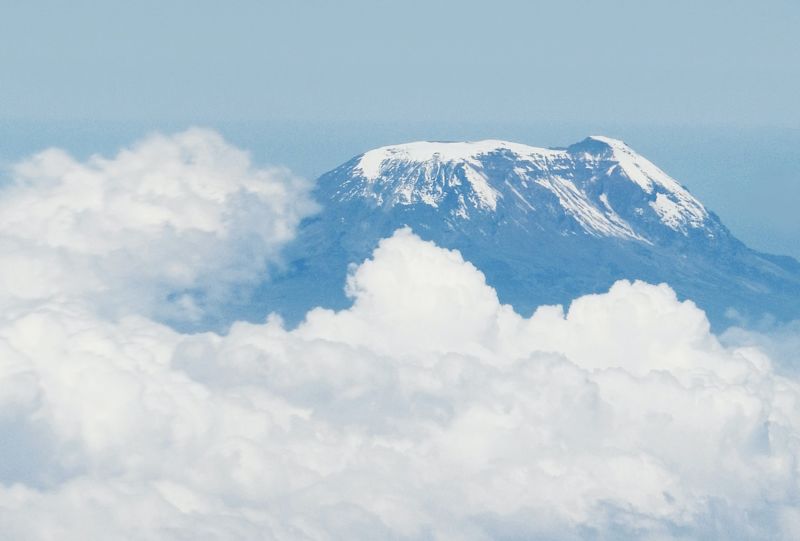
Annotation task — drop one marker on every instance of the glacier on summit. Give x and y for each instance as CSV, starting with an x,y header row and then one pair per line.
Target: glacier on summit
x,y
545,225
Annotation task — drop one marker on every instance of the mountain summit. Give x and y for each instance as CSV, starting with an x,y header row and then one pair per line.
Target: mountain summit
x,y
544,225
599,186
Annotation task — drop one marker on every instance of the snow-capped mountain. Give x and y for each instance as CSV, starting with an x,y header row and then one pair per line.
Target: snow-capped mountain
x,y
544,225
599,186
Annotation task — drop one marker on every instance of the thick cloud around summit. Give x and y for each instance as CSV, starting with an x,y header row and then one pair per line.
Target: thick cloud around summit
x,y
427,410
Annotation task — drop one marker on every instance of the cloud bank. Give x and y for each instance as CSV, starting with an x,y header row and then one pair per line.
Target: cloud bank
x,y
165,228
427,410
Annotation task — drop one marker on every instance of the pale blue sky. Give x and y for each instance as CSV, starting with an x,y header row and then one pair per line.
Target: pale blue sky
x,y
707,90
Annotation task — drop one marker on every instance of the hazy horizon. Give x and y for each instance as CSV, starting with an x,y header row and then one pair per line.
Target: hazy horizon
x,y
748,176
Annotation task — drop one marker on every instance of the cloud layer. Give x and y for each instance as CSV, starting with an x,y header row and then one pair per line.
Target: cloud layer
x,y
427,410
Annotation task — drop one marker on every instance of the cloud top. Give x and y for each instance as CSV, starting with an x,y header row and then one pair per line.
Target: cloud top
x,y
165,227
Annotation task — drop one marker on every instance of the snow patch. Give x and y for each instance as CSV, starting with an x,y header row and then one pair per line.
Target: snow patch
x,y
678,214
576,204
486,195
520,196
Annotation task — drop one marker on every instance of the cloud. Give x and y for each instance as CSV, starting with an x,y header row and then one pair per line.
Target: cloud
x,y
166,227
781,341
427,410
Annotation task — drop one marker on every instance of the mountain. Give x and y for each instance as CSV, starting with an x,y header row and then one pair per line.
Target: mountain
x,y
544,225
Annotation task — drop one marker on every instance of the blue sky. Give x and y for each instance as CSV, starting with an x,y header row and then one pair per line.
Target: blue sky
x,y
706,90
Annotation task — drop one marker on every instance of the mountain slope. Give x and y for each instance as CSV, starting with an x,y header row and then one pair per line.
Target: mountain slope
x,y
544,225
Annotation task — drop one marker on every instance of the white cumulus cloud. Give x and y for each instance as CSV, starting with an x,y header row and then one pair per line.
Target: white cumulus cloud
x,y
165,227
427,410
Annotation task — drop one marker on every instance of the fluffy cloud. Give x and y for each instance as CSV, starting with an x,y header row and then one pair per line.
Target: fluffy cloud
x,y
427,410
166,228
781,341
